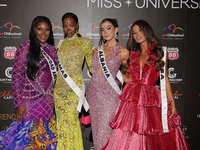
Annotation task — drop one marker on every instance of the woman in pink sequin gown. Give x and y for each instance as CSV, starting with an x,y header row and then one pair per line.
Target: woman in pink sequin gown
x,y
102,98
138,124
32,84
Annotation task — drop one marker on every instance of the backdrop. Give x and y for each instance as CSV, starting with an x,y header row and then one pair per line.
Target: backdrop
x,y
175,22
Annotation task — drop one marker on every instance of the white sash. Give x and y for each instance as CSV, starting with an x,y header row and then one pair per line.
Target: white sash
x,y
80,93
106,71
120,77
51,63
163,93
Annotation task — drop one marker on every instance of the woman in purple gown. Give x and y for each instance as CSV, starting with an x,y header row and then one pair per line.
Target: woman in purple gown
x,y
33,77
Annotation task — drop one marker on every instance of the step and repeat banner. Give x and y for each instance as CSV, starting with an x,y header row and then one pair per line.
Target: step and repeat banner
x,y
175,22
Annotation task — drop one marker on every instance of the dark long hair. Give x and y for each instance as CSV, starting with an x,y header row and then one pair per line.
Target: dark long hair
x,y
34,50
151,38
74,17
114,22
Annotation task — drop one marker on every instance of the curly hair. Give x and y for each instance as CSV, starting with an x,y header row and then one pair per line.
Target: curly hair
x,y
151,38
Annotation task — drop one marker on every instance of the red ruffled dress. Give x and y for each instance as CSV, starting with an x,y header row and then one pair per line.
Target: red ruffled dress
x,y
138,124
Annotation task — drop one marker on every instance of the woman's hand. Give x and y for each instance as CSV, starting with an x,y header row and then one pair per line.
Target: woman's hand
x,y
169,91
20,112
173,107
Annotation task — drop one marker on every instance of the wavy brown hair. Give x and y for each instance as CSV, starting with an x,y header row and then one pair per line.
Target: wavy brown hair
x,y
151,38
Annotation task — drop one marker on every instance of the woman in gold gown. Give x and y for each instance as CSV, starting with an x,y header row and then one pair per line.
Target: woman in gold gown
x,y
71,54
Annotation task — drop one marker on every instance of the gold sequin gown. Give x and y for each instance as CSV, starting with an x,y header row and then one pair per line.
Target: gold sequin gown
x,y
71,55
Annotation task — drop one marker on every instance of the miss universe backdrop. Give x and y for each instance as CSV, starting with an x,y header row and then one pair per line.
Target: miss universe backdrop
x,y
175,22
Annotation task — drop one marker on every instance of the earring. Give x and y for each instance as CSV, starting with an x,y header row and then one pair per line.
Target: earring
x,y
77,30
116,35
104,41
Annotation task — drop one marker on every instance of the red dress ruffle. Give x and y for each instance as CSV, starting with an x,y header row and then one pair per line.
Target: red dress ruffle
x,y
140,110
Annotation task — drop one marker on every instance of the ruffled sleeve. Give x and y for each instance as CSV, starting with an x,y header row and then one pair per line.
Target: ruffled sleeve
x,y
151,52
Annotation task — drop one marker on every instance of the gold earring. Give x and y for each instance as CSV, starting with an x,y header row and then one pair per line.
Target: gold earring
x,y
77,30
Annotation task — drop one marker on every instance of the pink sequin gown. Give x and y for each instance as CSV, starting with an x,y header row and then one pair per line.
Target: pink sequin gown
x,y
137,124
102,98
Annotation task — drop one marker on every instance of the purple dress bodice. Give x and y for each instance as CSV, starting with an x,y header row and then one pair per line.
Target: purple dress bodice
x,y
37,95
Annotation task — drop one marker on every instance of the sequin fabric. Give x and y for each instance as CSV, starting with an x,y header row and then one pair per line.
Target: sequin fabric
x,y
71,55
137,124
102,98
37,97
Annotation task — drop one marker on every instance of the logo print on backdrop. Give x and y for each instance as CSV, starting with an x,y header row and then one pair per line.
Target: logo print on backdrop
x,y
10,33
171,73
7,116
91,148
87,77
142,4
172,76
9,52
6,95
93,32
184,129
57,35
173,32
128,2
177,94
173,53
127,29
54,27
10,26
3,3
105,3
173,28
198,115
8,72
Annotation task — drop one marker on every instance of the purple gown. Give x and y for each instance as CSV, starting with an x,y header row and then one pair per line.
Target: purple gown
x,y
102,98
37,129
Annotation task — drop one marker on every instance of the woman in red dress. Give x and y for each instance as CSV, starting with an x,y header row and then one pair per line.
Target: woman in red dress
x,y
138,123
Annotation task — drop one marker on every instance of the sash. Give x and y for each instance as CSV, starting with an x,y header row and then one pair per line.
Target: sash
x,y
106,71
163,93
120,77
51,64
80,93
